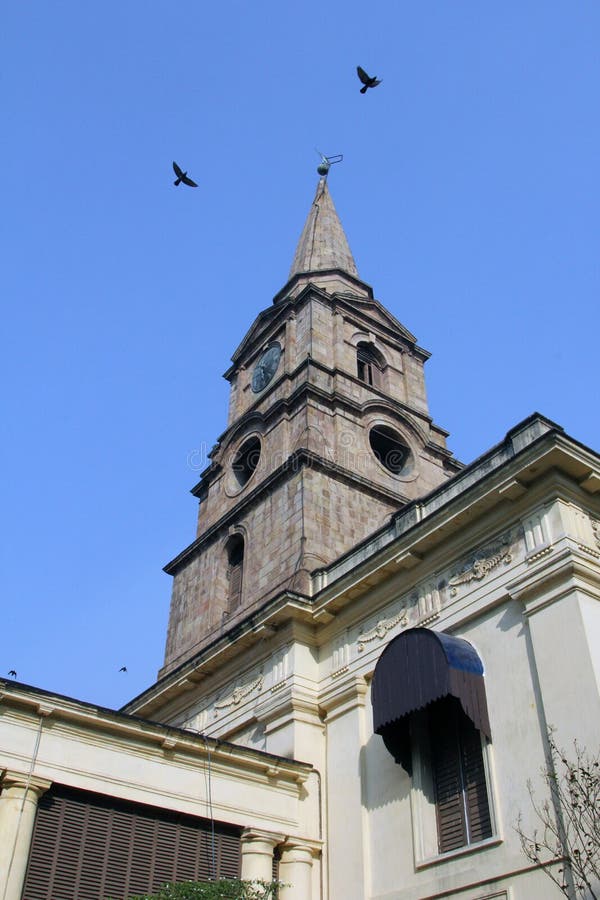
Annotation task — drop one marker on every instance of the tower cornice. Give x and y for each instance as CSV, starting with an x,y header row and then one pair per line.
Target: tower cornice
x,y
270,319
285,406
293,465
310,279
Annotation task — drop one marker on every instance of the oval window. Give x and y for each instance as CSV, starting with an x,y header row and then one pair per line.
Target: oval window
x,y
389,448
246,460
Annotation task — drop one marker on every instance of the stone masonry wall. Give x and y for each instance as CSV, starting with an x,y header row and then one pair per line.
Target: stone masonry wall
x,y
272,532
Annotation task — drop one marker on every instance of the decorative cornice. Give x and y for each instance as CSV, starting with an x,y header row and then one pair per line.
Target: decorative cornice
x,y
286,292
337,673
554,579
23,781
344,696
255,836
533,557
79,715
295,849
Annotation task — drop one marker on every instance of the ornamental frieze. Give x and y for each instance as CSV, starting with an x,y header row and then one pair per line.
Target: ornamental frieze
x,y
379,631
480,567
240,693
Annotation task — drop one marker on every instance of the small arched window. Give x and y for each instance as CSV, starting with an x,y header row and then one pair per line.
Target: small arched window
x,y
235,570
368,364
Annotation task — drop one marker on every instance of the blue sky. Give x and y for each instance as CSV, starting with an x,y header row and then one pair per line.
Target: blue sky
x,y
469,192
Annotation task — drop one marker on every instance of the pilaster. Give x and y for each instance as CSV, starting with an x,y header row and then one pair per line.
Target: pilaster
x,y
560,603
348,845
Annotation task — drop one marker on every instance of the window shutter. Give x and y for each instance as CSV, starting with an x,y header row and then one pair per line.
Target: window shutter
x,y
368,365
89,847
462,808
476,799
452,832
229,855
275,866
43,851
235,584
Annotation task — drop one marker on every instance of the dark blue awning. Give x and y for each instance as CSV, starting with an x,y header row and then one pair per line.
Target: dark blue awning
x,y
421,666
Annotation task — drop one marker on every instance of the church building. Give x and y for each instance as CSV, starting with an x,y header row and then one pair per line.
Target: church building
x,y
368,641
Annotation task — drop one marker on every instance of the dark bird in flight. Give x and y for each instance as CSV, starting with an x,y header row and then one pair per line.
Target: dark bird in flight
x,y
13,673
123,669
182,176
367,81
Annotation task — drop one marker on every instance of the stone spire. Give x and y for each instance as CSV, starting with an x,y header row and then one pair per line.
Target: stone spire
x,y
323,244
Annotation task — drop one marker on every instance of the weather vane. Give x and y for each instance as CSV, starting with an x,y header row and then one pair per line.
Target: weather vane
x,y
327,162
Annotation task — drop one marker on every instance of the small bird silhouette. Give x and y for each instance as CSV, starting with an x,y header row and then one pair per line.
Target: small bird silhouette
x,y
182,176
123,669
13,673
367,81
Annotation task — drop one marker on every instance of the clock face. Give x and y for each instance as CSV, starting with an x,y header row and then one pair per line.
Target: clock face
x,y
266,367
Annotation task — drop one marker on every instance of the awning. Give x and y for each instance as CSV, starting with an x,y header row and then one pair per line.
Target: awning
x,y
417,668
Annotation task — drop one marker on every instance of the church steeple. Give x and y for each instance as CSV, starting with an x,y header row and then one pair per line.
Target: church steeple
x,y
323,246
328,434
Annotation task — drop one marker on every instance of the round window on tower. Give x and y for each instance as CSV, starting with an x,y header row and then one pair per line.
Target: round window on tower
x,y
390,449
246,460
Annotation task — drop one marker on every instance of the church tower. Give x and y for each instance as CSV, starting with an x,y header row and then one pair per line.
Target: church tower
x,y
328,434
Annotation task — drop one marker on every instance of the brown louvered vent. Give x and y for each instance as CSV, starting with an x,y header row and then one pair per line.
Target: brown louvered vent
x,y
275,869
89,847
235,556
235,585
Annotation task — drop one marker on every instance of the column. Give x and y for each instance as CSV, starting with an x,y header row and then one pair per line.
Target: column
x,y
257,854
18,804
295,869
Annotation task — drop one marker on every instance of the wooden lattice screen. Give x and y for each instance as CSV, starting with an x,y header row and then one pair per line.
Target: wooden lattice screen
x,y
91,847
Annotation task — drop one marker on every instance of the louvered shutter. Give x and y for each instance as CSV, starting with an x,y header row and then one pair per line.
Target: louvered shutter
x,y
462,808
89,847
235,584
476,798
43,852
275,869
447,781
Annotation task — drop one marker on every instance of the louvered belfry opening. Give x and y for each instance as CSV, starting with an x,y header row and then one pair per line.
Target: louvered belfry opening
x,y
90,847
423,670
368,364
235,560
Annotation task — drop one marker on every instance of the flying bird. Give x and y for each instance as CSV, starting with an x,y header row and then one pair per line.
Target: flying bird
x,y
123,669
367,81
13,673
182,176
